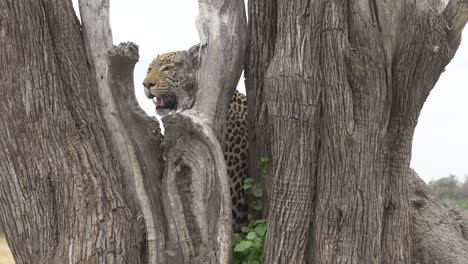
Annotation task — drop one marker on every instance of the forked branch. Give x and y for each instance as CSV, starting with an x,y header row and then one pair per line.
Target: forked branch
x,y
187,211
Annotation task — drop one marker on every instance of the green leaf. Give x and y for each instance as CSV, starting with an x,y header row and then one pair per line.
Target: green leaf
x,y
248,244
237,238
264,159
248,181
251,235
252,224
245,229
260,221
260,230
262,254
257,243
257,205
243,246
257,191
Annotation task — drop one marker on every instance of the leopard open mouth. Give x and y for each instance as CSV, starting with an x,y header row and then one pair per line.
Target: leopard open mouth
x,y
158,101
164,100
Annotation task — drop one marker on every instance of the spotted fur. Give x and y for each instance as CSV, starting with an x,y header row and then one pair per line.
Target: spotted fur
x,y
162,85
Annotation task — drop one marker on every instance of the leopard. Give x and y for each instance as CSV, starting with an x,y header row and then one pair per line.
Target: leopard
x,y
163,85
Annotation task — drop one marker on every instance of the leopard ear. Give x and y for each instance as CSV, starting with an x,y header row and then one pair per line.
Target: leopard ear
x,y
194,52
154,61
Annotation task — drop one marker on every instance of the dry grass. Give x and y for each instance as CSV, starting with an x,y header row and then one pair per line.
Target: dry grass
x,y
5,254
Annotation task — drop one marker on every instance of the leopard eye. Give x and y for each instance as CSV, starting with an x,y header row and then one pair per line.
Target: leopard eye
x,y
166,67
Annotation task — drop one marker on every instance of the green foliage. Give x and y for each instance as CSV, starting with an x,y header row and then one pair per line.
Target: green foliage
x,y
450,188
248,245
263,165
445,187
462,203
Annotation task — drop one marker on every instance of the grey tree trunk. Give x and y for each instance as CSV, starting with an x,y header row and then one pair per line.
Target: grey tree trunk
x,y
337,87
63,192
83,179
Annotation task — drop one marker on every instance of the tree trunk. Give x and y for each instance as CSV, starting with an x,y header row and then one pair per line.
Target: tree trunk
x,y
62,188
343,82
82,174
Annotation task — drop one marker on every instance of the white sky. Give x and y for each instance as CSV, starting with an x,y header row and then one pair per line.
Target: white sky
x,y
440,142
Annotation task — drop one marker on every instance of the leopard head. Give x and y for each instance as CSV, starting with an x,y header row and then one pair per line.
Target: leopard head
x,y
170,80
161,83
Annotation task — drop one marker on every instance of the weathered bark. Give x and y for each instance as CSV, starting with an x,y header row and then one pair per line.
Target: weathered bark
x,y
142,140
62,189
343,82
82,166
136,139
262,26
439,228
97,36
222,27
196,188
456,14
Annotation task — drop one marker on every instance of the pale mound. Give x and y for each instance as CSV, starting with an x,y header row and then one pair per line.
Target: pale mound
x,y
5,254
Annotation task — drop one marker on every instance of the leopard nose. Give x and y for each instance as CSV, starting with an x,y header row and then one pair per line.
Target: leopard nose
x,y
148,93
148,85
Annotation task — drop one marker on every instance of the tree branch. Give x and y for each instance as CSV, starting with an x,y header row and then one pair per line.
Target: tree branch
x,y
135,136
142,140
222,27
456,14
97,36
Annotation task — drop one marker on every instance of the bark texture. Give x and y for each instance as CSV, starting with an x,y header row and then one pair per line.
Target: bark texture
x,y
343,82
62,189
222,27
142,142
439,228
97,36
195,184
262,33
72,192
136,138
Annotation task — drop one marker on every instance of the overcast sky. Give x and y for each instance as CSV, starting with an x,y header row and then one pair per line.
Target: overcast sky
x,y
440,144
